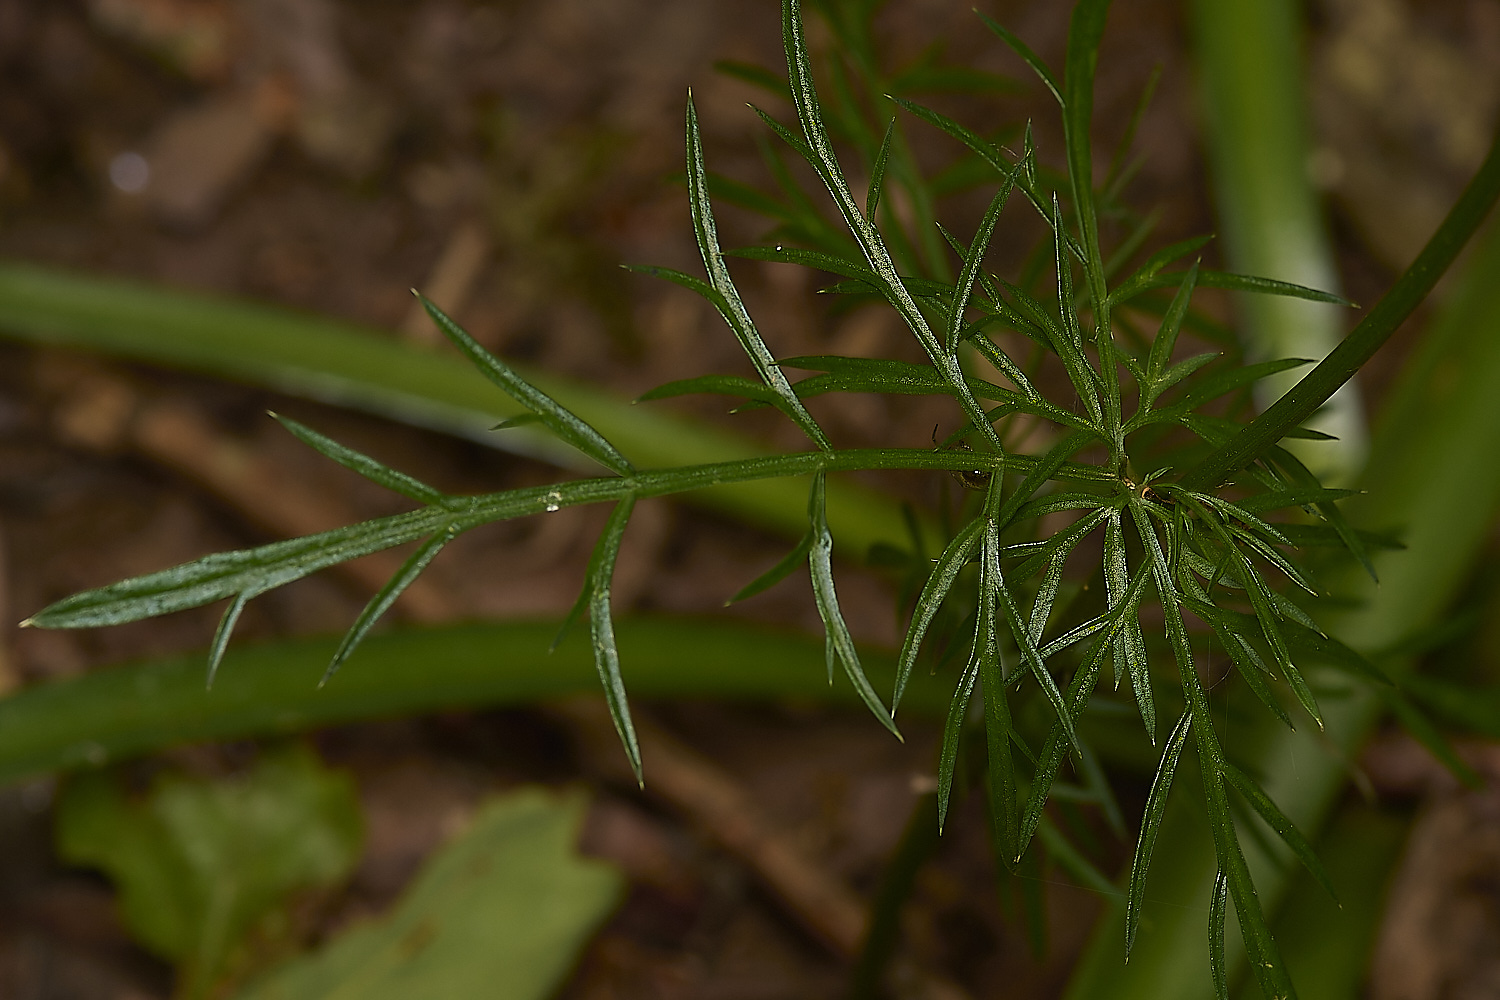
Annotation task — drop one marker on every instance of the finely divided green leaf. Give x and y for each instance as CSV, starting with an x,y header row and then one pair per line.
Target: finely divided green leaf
x,y
877,171
376,472
602,630
385,597
840,643
1218,910
954,557
1031,59
734,311
560,420
953,726
1278,821
222,634
1156,806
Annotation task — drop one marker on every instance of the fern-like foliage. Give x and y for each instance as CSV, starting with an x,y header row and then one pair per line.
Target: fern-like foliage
x,y
1208,534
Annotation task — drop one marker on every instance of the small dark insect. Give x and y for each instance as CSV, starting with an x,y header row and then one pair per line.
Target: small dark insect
x,y
969,479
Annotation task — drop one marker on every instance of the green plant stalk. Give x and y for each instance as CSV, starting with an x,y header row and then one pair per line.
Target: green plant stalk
x,y
1254,115
271,689
254,571
361,368
1304,399
1428,472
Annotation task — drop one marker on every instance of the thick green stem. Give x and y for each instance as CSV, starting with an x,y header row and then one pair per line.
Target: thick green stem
x,y
1255,123
1304,399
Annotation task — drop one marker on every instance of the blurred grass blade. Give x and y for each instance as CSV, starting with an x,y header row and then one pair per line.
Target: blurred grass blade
x,y
733,309
222,633
340,363
1277,820
385,597
376,472
1255,80
789,564
1156,806
1029,57
271,689
602,631
841,644
1061,852
956,554
558,418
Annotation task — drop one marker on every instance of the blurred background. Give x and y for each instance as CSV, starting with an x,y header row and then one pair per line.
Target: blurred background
x,y
505,158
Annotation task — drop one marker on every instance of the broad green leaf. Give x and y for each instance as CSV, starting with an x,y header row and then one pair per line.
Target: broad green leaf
x,y
502,912
840,644
202,864
1156,805
560,420
945,571
376,472
385,597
